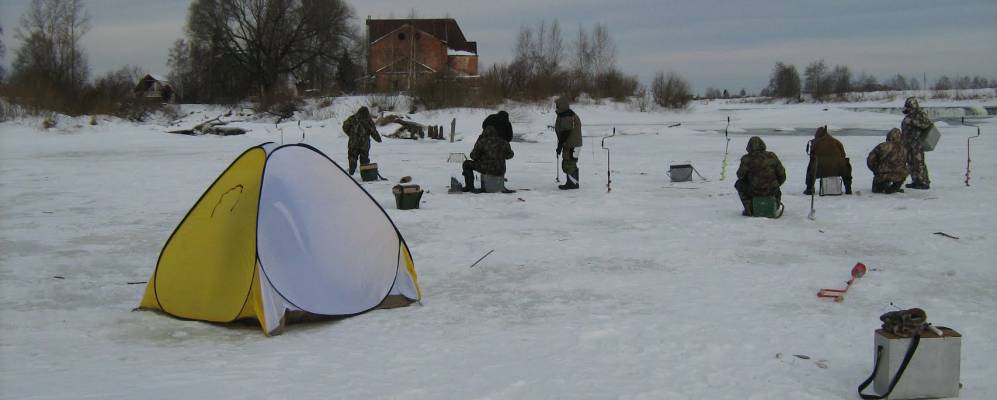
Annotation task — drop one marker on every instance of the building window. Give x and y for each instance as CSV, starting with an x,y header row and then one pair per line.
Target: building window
x,y
401,36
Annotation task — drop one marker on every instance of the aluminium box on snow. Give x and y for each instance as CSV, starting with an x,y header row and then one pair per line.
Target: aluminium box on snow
x,y
933,371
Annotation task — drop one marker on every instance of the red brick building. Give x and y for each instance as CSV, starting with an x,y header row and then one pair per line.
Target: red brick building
x,y
400,52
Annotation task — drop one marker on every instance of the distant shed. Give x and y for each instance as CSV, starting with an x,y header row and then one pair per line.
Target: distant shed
x,y
154,88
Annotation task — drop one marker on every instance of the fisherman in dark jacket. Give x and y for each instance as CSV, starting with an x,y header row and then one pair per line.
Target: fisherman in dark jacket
x,y
500,121
827,159
488,157
760,174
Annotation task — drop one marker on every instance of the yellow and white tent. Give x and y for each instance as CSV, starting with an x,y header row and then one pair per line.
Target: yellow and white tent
x,y
284,232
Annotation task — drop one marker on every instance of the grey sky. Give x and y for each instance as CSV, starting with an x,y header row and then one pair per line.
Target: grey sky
x,y
724,44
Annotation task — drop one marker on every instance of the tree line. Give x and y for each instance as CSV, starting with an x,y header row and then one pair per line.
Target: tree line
x,y
233,50
824,83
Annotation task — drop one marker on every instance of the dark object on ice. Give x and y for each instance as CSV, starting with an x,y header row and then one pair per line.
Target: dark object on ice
x,y
214,126
904,323
802,356
482,258
946,235
683,173
407,196
368,172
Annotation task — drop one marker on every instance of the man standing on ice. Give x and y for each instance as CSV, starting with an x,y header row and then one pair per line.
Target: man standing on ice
x,y
360,128
568,128
827,158
915,127
760,174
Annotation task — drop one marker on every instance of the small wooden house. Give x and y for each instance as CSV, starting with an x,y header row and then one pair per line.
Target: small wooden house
x,y
154,88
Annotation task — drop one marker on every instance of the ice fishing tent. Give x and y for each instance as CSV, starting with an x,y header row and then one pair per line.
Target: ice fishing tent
x,y
283,233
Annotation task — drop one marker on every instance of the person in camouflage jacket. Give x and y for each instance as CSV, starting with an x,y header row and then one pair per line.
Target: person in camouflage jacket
x,y
888,163
568,128
827,158
914,128
760,174
487,157
359,128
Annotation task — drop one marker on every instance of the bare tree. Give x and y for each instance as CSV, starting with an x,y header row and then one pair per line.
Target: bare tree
x,y
841,80
784,81
816,80
670,90
943,83
583,54
603,50
50,33
272,40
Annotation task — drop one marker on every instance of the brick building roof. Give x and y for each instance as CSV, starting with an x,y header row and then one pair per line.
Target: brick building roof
x,y
444,29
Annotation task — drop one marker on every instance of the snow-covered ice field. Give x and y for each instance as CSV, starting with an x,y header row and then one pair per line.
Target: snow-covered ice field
x,y
656,290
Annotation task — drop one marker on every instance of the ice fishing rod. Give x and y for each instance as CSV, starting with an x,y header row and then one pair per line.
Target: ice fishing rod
x,y
609,179
723,165
967,149
813,211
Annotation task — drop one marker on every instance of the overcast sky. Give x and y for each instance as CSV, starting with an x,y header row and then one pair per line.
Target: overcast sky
x,y
725,44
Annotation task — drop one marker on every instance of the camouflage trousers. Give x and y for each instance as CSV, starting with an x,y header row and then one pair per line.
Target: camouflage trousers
x,y
353,154
915,163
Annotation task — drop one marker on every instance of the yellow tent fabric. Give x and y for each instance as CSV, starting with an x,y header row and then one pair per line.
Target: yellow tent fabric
x,y
210,268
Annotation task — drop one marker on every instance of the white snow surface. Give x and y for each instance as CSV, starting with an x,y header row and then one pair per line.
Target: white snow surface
x,y
655,290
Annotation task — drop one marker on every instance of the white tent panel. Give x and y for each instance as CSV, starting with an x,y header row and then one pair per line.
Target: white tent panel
x,y
404,284
322,243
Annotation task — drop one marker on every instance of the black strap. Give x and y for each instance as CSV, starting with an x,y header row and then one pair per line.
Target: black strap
x,y
896,378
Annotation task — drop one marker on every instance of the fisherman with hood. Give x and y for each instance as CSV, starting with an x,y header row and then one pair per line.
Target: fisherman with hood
x,y
914,128
827,158
888,163
568,128
487,157
500,121
360,128
760,174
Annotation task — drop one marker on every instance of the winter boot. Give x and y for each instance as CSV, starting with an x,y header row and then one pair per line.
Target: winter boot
x,y
571,181
848,186
468,182
353,167
809,191
896,187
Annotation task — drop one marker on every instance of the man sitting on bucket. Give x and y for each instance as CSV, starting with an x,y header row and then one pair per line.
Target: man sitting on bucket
x,y
488,157
760,174
827,159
